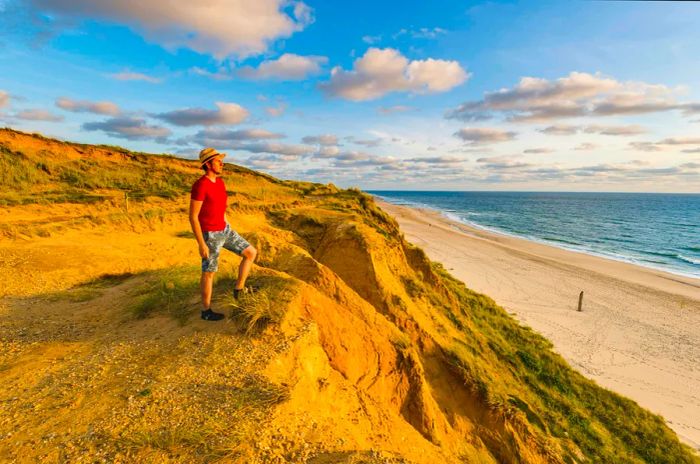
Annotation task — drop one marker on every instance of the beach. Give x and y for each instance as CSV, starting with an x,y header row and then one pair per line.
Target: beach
x,y
638,332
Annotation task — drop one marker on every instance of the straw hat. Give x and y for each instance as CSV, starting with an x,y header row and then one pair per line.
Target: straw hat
x,y
208,154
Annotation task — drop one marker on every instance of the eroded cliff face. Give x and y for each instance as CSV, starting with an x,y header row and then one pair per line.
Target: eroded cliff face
x,y
355,347
388,346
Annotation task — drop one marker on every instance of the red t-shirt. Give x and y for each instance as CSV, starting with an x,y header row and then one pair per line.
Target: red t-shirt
x,y
214,200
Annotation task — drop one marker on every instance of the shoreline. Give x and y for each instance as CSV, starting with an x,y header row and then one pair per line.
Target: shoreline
x,y
638,333
473,226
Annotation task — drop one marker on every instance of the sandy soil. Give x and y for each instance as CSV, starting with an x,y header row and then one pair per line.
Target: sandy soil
x,y
638,333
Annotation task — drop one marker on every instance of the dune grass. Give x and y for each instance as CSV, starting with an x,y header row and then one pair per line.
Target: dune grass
x,y
27,181
266,304
531,378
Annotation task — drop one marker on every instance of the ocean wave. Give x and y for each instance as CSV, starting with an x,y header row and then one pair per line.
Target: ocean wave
x,y
561,240
689,260
662,254
618,239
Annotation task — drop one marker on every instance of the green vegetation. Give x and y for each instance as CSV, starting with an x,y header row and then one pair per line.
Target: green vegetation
x,y
48,181
266,304
171,291
515,370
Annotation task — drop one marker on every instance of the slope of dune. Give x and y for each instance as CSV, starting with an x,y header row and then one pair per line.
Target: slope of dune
x,y
354,348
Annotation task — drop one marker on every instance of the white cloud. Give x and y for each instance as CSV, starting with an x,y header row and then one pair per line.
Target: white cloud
x,y
219,27
564,129
483,135
681,141
276,111
421,33
4,98
437,160
133,76
645,146
85,106
667,144
328,152
369,143
131,128
325,139
538,151
226,114
614,130
560,129
289,67
371,39
381,71
503,162
586,146
229,139
289,150
578,94
38,115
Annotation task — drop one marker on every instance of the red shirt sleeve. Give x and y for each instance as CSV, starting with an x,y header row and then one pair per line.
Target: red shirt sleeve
x,y
198,193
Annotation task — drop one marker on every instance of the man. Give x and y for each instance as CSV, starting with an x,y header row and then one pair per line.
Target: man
x,y
211,229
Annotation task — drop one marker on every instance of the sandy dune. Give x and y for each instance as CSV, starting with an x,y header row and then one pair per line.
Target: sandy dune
x,y
638,333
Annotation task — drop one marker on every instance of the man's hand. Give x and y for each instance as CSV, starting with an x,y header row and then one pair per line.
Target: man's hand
x,y
204,251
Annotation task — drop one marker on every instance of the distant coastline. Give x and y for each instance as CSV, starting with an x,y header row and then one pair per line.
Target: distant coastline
x,y
684,260
636,333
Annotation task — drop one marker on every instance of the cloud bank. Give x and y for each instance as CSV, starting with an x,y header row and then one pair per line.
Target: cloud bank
x,y
381,71
85,106
578,94
226,114
222,28
133,76
483,135
288,67
130,128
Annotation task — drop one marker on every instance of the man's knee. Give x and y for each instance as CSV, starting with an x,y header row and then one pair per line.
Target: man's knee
x,y
250,253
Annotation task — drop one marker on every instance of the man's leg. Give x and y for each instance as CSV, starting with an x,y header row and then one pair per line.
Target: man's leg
x,y
206,283
248,256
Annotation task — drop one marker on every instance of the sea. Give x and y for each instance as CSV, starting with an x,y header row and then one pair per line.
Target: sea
x,y
655,230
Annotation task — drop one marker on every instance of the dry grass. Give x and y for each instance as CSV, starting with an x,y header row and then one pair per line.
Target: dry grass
x,y
266,304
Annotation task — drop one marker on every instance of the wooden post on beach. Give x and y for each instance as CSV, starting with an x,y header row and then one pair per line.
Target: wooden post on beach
x,y
580,300
126,201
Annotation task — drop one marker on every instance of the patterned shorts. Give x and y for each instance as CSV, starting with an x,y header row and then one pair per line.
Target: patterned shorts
x,y
227,238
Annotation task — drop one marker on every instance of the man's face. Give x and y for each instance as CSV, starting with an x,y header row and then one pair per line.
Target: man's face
x,y
216,166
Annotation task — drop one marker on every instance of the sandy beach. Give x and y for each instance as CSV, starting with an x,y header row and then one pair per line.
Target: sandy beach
x,y
638,333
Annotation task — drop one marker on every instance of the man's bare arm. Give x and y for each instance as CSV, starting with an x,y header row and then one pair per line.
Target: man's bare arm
x,y
195,207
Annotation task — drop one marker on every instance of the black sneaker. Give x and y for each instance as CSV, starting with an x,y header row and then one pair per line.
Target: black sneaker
x,y
210,315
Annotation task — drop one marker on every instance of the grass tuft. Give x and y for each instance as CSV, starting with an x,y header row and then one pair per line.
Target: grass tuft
x,y
266,304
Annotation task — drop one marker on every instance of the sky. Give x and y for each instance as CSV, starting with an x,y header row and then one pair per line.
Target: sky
x,y
440,95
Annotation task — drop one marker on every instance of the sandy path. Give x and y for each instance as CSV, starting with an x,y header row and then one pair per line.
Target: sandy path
x,y
638,333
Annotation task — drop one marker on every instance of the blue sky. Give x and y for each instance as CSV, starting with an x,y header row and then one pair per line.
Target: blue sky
x,y
582,96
